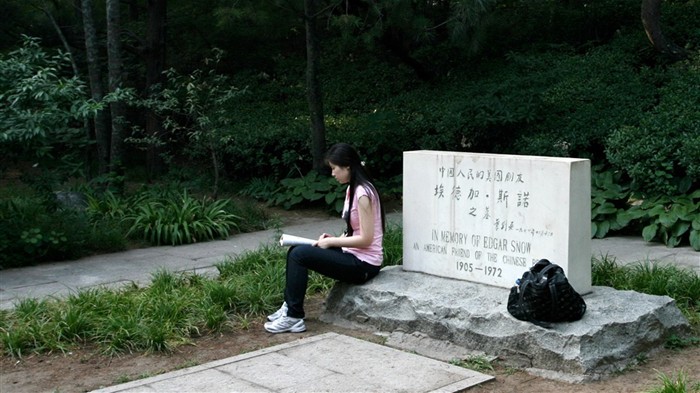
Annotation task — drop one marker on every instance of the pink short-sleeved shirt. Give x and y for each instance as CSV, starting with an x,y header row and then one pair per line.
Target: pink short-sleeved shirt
x,y
374,254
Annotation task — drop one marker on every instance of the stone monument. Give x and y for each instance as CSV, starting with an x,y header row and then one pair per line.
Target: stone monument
x,y
487,218
472,224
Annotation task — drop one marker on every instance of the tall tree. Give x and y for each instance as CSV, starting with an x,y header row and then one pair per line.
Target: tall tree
x,y
406,28
155,65
313,85
96,89
651,16
115,66
76,73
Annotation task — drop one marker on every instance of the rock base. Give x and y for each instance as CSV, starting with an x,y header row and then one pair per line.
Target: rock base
x,y
619,327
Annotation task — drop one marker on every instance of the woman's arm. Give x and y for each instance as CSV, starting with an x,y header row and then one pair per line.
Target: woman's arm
x,y
364,238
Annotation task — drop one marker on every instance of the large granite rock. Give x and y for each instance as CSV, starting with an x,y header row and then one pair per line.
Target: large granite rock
x,y
618,327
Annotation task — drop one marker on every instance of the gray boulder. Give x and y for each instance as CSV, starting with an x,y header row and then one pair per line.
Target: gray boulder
x,y
618,328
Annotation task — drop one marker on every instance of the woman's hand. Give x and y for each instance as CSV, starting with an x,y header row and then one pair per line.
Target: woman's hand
x,y
363,239
324,241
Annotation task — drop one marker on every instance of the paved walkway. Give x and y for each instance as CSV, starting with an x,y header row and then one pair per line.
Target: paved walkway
x,y
62,278
314,364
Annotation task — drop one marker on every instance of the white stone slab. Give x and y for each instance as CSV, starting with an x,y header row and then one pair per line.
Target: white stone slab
x,y
487,217
324,363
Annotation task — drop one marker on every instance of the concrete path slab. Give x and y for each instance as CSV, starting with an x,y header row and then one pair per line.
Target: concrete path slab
x,y
325,363
628,249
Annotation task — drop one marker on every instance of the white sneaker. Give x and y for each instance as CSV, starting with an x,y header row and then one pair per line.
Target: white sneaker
x,y
286,324
282,312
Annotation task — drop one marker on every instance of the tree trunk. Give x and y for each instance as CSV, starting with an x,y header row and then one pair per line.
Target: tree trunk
x,y
215,165
115,65
76,73
313,86
155,64
651,17
62,37
96,89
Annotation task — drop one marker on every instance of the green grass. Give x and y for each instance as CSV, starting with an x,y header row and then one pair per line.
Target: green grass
x,y
170,311
476,363
679,384
393,245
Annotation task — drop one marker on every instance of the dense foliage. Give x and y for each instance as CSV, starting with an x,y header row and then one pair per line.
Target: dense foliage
x,y
547,78
673,219
42,228
37,229
42,108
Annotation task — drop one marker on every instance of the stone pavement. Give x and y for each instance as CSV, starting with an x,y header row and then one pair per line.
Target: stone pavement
x,y
314,364
325,363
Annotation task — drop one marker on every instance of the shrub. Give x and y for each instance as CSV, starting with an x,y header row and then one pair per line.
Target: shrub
x,y
252,216
309,189
578,105
181,219
552,102
41,109
609,203
671,220
35,231
660,153
108,205
262,189
270,134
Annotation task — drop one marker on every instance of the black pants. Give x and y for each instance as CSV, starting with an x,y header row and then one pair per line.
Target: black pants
x,y
331,262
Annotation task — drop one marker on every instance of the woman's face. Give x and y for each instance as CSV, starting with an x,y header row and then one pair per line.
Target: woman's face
x,y
340,173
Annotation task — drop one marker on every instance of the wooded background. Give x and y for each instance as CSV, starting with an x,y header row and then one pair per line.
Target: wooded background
x,y
258,89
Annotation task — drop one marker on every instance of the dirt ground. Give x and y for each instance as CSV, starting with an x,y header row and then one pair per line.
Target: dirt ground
x,y
85,370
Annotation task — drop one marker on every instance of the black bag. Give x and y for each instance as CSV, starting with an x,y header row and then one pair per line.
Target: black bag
x,y
544,294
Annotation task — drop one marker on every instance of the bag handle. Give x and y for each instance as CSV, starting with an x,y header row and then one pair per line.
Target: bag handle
x,y
547,268
550,284
539,265
530,319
